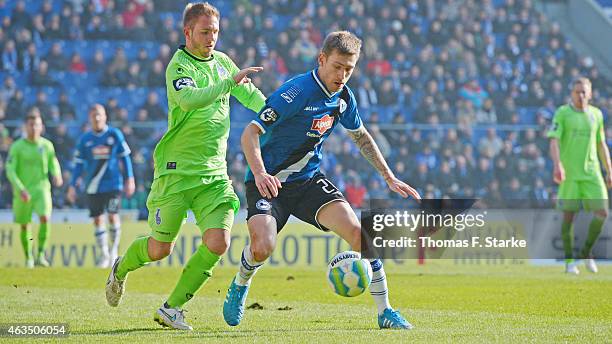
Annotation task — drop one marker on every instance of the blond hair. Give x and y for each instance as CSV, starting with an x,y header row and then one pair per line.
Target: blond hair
x,y
195,10
581,80
344,42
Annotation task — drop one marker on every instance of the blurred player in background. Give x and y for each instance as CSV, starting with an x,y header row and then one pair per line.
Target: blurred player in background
x,y
30,162
98,153
577,140
190,165
283,149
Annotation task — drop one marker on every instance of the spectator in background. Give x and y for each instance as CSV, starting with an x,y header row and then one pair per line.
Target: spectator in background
x,y
154,110
9,57
98,64
56,59
473,92
64,143
30,60
66,109
156,76
41,76
8,89
20,18
76,64
43,106
16,107
95,29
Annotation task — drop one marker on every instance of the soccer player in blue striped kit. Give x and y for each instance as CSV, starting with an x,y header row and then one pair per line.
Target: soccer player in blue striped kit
x,y
98,153
283,149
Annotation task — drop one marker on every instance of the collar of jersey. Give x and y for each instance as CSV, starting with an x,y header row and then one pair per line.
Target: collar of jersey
x,y
183,48
321,85
98,134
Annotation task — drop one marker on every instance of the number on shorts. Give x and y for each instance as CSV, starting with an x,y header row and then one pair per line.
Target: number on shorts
x,y
327,186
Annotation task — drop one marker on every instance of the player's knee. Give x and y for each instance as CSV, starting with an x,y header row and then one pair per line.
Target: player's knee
x,y
218,247
262,249
44,219
602,213
159,250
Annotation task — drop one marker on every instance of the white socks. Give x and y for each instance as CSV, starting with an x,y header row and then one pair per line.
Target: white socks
x,y
378,287
102,240
248,267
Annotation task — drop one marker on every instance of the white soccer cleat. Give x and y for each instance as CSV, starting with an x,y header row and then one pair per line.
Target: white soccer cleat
x,y
572,268
29,263
104,262
590,265
171,317
42,261
114,286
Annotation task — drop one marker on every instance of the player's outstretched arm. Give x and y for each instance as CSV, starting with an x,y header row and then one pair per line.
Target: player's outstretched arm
x,y
370,151
558,170
267,184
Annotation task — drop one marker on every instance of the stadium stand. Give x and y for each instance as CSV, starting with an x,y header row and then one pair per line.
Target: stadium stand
x,y
457,93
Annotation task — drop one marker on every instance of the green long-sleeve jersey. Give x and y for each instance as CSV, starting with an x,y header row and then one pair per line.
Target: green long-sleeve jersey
x,y
198,114
29,164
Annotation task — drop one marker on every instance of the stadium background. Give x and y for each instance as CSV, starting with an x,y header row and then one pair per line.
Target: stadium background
x,y
458,94
413,95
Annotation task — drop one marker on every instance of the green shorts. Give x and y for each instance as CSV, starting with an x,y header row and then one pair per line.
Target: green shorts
x,y
40,203
212,200
592,194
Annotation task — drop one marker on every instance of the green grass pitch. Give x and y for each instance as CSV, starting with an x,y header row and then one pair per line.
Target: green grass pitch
x,y
445,302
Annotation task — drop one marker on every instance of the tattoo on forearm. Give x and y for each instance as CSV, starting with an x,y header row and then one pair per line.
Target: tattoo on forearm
x,y
370,150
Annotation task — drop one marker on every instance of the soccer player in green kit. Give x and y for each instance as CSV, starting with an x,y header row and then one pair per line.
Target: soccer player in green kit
x,y
190,165
30,162
577,140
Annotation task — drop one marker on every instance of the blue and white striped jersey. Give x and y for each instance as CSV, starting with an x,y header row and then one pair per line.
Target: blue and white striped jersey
x,y
99,154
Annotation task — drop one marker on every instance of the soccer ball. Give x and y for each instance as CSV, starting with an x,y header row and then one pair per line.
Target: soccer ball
x,y
348,274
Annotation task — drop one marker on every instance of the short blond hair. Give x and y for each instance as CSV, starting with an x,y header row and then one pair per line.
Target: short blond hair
x,y
195,10
582,80
344,42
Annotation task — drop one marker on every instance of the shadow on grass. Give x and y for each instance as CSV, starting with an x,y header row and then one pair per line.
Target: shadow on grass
x,y
213,333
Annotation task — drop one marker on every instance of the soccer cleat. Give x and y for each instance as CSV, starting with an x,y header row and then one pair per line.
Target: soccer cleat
x,y
590,265
393,319
233,307
42,261
572,268
104,262
171,317
29,263
114,286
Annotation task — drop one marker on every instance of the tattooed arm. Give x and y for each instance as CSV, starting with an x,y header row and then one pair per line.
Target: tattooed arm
x,y
370,151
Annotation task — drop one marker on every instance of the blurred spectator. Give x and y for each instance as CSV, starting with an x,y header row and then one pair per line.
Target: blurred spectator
x,y
76,64
16,107
41,77
9,57
154,110
56,59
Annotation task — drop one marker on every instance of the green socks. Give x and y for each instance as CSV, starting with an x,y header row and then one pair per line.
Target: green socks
x,y
136,256
595,228
43,234
197,271
26,242
567,234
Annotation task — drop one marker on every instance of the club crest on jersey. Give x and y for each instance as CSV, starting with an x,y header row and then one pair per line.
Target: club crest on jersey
x,y
321,125
110,141
268,116
182,83
222,72
263,204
